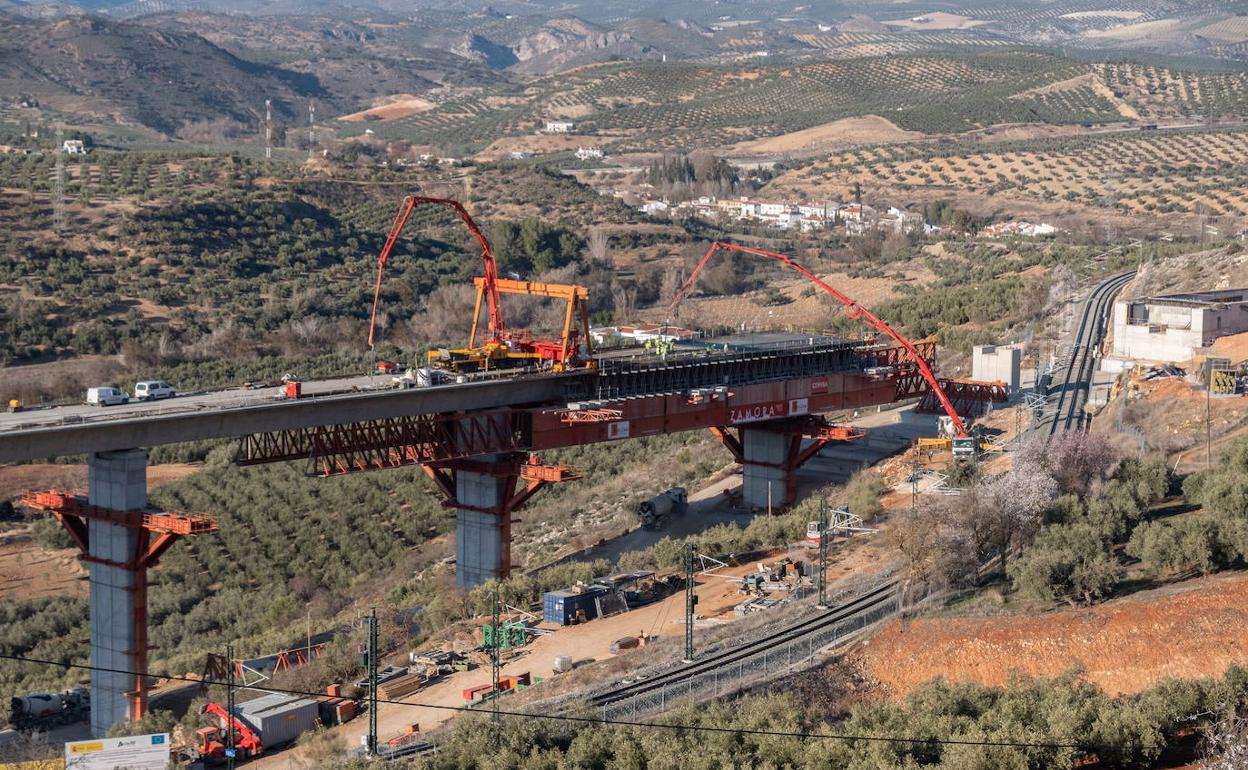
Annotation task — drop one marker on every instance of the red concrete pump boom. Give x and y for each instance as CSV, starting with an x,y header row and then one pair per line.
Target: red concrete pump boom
x,y
853,310
497,328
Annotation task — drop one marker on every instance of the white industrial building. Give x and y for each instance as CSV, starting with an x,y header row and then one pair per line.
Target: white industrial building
x,y
998,363
1173,326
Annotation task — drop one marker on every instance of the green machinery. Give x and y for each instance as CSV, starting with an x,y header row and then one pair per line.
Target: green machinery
x,y
505,636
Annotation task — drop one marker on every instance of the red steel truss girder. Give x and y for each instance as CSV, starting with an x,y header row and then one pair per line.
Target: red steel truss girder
x,y
995,391
390,443
970,397
899,356
73,512
911,385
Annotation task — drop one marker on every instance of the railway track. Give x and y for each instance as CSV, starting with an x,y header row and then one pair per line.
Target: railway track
x,y
858,605
1073,391
1068,414
1076,383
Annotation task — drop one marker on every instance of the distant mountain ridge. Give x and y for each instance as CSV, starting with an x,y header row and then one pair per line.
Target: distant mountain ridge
x,y
156,78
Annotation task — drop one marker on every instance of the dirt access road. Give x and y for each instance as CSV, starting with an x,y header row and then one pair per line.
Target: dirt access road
x,y
586,643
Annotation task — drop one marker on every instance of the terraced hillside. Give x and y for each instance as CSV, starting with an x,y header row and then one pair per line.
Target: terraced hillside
x,y
855,45
1161,92
1143,173
669,106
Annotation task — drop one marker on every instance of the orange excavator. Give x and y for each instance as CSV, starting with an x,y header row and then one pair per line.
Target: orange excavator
x,y
962,443
499,347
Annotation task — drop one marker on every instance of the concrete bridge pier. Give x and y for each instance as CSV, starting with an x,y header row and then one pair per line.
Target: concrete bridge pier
x,y
771,452
118,592
482,529
765,472
484,491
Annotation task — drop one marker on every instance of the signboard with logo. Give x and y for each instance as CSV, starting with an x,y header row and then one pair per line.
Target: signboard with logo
x,y
819,386
135,752
617,430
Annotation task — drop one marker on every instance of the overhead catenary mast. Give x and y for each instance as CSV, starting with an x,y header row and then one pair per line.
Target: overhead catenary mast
x,y
58,184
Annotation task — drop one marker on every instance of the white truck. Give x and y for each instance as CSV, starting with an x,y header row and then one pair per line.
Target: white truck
x,y
423,377
105,396
674,501
150,390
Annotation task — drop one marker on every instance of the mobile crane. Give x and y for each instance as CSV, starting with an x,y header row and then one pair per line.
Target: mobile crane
x,y
499,347
962,443
211,742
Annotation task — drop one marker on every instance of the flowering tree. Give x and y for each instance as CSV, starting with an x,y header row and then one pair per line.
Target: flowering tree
x,y
1075,459
1010,507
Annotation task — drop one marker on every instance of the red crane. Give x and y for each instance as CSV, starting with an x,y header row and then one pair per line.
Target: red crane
x,y
211,742
497,329
853,310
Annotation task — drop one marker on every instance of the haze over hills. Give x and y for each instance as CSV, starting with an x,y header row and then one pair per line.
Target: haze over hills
x,y
504,70
130,73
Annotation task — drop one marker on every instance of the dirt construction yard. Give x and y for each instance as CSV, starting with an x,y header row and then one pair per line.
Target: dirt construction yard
x,y
586,643
1186,630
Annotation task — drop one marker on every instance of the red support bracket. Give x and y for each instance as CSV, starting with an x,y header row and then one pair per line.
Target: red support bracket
x,y
74,511
512,470
814,428
731,443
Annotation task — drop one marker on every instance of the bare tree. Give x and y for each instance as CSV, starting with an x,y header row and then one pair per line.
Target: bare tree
x,y
934,539
623,301
1226,744
671,284
598,244
30,750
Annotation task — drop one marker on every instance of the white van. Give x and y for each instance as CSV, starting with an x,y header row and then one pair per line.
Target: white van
x,y
107,396
150,390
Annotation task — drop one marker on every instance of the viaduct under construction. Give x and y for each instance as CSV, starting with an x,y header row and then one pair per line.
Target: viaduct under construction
x,y
478,435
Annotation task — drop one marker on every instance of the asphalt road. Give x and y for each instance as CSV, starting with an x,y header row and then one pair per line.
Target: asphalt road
x,y
188,403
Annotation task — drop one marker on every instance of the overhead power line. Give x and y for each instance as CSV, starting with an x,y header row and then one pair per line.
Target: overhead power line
x,y
601,721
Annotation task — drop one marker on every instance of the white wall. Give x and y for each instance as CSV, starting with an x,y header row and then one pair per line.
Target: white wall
x,y
990,363
1171,333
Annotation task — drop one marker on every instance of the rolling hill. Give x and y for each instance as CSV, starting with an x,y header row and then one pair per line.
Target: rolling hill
x,y
135,74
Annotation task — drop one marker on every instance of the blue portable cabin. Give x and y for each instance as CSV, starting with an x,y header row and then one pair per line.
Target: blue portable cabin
x,y
562,607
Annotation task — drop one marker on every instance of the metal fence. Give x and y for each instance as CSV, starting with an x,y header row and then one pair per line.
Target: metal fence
x,y
761,666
